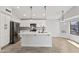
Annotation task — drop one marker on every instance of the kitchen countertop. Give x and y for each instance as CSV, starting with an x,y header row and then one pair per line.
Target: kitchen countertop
x,y
35,33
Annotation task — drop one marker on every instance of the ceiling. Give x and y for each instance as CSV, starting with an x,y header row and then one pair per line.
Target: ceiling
x,y
52,12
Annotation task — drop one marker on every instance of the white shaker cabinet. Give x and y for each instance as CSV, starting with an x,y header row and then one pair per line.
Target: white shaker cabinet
x,y
5,29
36,40
2,34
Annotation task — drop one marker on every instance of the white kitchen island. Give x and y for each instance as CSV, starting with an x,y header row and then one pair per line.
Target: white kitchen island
x,y
34,39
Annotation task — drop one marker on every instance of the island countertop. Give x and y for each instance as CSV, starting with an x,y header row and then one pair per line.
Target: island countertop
x,y
35,33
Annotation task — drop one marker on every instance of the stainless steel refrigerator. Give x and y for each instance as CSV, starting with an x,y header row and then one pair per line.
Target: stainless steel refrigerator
x,y
14,32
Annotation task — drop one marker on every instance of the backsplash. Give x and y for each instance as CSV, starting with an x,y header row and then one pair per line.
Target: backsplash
x,y
24,28
28,28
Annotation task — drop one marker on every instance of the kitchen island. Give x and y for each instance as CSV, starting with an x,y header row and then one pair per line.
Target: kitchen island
x,y
34,39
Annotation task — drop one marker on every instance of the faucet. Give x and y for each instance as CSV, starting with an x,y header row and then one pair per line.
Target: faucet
x,y
43,28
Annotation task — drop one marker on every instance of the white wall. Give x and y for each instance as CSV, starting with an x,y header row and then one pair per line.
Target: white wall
x,y
65,29
53,27
15,19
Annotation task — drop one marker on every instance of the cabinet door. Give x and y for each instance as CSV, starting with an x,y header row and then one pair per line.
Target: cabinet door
x,y
2,18
42,41
0,31
5,29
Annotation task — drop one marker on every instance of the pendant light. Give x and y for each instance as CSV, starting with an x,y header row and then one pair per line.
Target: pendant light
x,y
62,18
45,11
31,11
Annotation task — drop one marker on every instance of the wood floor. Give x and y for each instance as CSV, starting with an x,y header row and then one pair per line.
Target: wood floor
x,y
59,45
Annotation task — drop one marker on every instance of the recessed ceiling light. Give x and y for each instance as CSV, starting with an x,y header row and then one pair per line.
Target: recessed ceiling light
x,y
43,14
24,14
34,15
18,7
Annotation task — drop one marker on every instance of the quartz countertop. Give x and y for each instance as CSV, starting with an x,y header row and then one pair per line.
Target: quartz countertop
x,y
37,33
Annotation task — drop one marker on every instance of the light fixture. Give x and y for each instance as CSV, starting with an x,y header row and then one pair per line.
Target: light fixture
x,y
31,11
62,18
24,14
44,14
18,7
34,15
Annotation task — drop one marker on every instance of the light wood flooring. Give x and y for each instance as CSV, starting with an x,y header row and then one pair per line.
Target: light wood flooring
x,y
59,45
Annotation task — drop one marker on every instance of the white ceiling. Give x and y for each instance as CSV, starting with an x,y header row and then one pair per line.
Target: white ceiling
x,y
52,12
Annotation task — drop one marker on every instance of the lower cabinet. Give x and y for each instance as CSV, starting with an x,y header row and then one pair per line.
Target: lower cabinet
x,y
34,40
